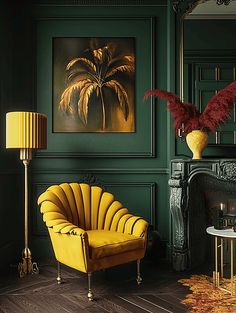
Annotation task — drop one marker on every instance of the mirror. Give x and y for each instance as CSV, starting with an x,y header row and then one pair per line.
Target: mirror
x,y
207,56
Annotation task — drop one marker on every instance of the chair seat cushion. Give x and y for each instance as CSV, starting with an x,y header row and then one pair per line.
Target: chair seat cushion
x,y
103,243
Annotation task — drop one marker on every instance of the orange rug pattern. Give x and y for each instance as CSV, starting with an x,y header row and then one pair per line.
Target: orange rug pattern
x,y
205,298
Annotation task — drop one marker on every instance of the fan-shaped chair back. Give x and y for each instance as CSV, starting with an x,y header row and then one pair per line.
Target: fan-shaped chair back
x,y
88,207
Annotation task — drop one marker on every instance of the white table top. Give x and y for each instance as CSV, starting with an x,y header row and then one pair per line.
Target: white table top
x,y
226,233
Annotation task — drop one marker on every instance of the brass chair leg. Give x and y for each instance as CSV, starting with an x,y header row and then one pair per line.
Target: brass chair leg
x,y
58,273
90,293
139,278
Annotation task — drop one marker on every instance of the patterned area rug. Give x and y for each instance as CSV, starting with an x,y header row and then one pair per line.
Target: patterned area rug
x,y
205,298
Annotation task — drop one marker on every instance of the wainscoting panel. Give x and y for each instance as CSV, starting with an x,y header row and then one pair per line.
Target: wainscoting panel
x,y
139,193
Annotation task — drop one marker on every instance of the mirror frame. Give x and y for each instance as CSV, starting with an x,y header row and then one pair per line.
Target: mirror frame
x,y
183,8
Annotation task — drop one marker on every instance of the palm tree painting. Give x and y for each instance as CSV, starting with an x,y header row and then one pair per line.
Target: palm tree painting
x,y
94,85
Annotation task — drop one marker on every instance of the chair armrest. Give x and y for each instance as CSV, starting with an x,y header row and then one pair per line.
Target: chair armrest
x,y
136,226
68,228
55,218
78,232
140,228
71,248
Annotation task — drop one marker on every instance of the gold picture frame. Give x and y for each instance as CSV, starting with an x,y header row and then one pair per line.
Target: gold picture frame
x,y
93,84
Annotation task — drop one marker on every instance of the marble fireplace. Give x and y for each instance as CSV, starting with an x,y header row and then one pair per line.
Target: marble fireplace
x,y
196,188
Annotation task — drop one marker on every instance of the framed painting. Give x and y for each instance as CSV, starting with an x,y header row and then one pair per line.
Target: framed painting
x,y
93,84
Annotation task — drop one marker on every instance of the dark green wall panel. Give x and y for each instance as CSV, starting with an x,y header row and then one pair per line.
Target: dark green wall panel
x,y
134,165
141,142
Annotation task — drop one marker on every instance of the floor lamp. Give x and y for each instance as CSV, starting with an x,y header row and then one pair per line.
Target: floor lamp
x,y
26,131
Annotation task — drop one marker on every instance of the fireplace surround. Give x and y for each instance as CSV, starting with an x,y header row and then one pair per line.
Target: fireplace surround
x,y
196,186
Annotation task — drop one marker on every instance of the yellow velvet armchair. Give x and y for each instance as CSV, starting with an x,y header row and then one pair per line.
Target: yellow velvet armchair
x,y
90,230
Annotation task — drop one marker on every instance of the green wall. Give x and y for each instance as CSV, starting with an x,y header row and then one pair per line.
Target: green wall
x,y
13,96
134,166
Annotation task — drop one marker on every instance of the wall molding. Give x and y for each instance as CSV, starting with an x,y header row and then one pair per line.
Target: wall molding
x,y
72,155
115,3
153,192
141,171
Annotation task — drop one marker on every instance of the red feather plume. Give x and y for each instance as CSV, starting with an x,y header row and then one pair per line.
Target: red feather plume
x,y
215,113
218,108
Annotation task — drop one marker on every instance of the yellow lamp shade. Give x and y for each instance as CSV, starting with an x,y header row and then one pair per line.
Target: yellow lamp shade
x,y
26,130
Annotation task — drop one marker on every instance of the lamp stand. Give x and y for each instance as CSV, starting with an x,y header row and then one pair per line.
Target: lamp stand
x,y
26,266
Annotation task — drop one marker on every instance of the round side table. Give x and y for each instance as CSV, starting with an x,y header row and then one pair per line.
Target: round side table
x,y
219,236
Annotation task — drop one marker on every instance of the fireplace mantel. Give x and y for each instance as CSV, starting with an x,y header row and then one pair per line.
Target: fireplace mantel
x,y
181,174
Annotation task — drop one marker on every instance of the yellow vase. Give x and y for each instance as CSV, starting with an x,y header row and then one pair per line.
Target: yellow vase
x,y
197,140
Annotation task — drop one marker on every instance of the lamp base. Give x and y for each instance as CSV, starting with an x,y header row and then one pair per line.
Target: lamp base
x,y
26,266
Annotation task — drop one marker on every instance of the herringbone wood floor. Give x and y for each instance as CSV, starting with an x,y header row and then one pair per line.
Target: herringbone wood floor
x,y
115,291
